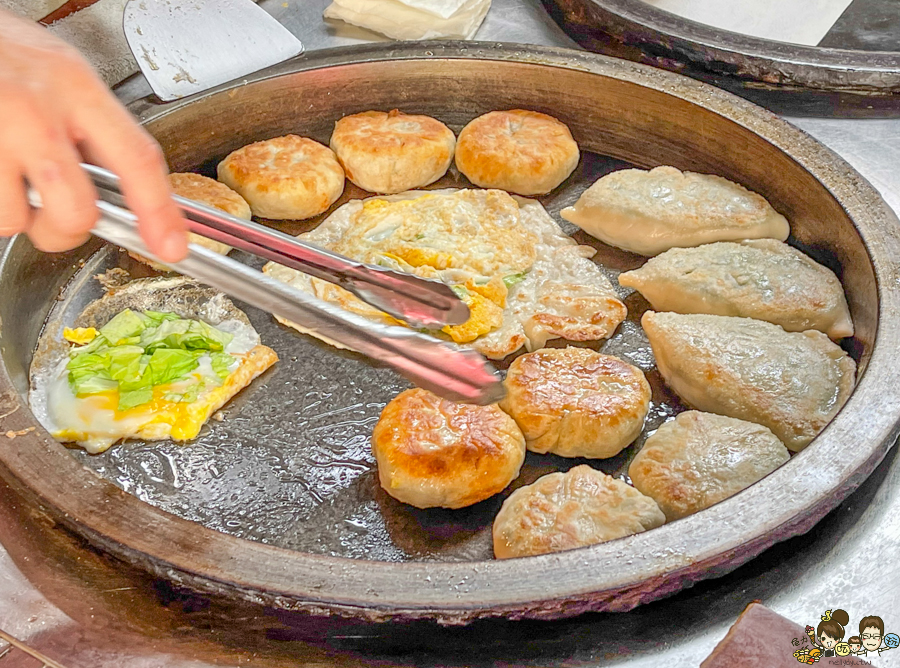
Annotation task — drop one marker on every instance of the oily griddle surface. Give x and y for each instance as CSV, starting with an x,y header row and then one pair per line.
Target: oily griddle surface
x,y
290,463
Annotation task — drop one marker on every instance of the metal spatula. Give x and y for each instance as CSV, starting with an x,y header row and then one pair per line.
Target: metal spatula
x,y
184,47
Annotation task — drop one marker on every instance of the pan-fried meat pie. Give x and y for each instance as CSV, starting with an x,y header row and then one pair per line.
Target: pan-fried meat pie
x,y
648,212
521,151
794,383
432,452
524,280
211,193
392,152
284,178
562,511
574,402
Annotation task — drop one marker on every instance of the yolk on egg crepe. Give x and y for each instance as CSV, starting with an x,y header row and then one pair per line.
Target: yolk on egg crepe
x,y
524,280
145,374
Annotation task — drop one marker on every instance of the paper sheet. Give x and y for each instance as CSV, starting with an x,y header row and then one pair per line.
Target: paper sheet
x,y
443,8
796,21
397,19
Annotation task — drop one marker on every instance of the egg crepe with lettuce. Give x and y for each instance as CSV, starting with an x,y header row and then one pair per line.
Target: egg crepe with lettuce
x,y
146,374
523,279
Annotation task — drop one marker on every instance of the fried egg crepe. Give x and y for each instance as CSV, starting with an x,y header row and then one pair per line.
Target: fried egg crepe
x,y
524,280
177,411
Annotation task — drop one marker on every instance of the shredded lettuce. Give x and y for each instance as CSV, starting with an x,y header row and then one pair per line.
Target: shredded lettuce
x,y
124,325
189,395
460,291
185,334
221,363
131,398
169,364
138,351
156,318
124,363
95,385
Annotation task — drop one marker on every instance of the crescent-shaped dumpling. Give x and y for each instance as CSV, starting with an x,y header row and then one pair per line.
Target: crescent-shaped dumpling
x,y
648,212
757,278
794,383
562,511
699,459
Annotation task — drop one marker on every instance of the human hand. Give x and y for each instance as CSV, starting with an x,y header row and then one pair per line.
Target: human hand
x,y
54,113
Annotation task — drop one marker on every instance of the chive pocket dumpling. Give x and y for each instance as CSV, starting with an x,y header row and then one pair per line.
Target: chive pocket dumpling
x,y
794,383
562,511
648,212
757,278
699,459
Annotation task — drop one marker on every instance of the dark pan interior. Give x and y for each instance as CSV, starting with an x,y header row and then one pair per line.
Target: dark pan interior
x,y
291,463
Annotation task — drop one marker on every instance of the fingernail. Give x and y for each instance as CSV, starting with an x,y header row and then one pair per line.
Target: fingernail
x,y
174,246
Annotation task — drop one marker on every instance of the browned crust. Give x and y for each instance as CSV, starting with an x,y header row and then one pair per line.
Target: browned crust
x,y
563,511
453,454
563,401
210,192
392,152
287,177
524,152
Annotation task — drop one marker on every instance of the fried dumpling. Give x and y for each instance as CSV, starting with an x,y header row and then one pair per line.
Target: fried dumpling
x,y
757,278
794,383
699,459
562,511
574,402
436,453
648,212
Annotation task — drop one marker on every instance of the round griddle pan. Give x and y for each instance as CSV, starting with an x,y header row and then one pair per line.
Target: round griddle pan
x,y
669,39
278,503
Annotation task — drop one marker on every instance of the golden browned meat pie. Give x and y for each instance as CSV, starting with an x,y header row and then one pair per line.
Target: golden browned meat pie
x,y
523,152
212,193
433,452
757,278
562,511
699,459
523,279
284,178
791,382
574,402
649,212
392,152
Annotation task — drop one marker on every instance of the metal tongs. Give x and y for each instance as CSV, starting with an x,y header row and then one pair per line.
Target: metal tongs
x,y
444,368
